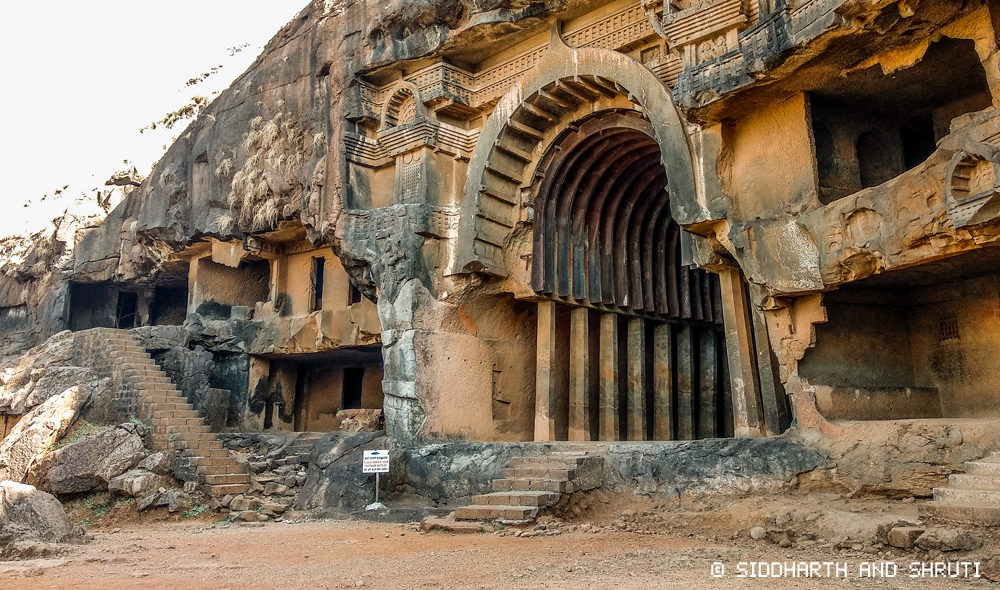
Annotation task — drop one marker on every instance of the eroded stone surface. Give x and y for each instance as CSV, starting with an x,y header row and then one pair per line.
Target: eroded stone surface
x,y
91,463
28,514
37,431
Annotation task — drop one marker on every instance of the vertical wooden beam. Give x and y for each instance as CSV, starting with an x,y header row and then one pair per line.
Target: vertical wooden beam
x,y
636,404
663,383
687,418
608,429
747,417
775,410
546,380
708,387
579,374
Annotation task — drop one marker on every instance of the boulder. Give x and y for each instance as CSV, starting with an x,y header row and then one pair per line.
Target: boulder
x,y
172,499
90,463
37,431
945,539
139,483
159,463
19,381
29,514
360,420
335,479
903,537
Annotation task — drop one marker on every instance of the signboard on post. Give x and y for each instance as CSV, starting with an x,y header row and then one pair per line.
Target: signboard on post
x,y
375,461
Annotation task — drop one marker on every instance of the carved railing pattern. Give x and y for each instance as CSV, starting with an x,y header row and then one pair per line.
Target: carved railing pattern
x,y
476,89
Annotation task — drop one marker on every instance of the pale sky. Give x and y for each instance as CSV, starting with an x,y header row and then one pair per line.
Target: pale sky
x,y
81,79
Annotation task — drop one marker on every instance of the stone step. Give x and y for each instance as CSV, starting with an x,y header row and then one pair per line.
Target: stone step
x,y
977,514
208,445
194,428
540,473
215,469
991,458
173,406
973,482
569,462
161,397
228,478
137,371
477,512
205,454
534,485
176,414
223,489
142,370
121,346
960,496
194,437
516,499
133,358
982,468
150,387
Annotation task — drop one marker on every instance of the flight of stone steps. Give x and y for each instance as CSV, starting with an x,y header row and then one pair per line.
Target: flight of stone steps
x,y
530,484
176,424
971,497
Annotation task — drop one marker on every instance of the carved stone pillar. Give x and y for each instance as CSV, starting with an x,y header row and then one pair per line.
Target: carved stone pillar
x,y
663,383
608,416
747,417
636,405
579,374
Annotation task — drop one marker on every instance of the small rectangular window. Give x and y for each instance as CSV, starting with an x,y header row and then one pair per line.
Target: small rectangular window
x,y
318,272
948,328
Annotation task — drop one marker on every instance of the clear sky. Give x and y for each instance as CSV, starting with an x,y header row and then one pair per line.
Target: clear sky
x,y
81,79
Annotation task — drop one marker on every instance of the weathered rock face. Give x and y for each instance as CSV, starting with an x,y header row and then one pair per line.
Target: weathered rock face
x,y
28,514
50,369
942,539
37,431
334,479
91,463
721,466
19,381
898,459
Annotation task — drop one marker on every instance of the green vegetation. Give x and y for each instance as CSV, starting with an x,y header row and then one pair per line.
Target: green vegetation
x,y
194,511
80,431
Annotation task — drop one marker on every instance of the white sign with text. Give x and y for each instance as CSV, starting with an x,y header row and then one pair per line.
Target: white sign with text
x,y
375,461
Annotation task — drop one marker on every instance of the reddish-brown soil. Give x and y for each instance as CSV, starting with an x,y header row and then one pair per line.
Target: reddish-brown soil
x,y
675,547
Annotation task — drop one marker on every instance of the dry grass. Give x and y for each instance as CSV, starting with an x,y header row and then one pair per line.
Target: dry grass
x,y
225,168
225,223
274,149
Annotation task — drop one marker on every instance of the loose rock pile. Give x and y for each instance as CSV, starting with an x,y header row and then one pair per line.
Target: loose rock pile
x,y
277,464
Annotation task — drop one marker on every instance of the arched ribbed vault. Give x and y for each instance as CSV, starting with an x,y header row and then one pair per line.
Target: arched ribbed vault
x,y
603,232
629,338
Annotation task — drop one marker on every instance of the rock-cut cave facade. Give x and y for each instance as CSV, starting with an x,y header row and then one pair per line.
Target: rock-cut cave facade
x,y
571,220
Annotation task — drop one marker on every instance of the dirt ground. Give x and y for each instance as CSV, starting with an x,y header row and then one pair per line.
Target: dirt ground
x,y
594,541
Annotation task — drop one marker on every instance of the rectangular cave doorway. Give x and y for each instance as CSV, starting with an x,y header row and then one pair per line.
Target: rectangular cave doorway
x,y
912,343
126,310
334,387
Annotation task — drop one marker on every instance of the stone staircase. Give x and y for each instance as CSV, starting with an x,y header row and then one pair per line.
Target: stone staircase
x,y
530,484
176,424
971,497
